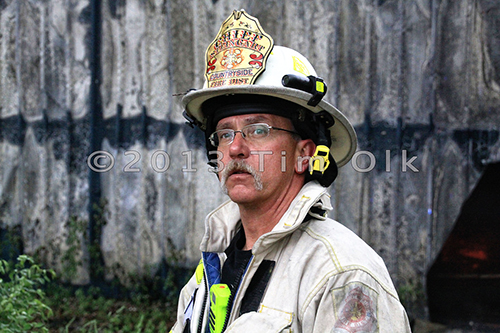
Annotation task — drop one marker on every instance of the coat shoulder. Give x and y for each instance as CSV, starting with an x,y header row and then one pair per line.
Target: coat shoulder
x,y
346,251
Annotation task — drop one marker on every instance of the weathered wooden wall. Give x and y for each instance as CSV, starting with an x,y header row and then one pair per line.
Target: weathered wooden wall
x,y
420,78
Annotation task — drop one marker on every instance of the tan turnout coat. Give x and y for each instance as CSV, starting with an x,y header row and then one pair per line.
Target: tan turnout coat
x,y
325,279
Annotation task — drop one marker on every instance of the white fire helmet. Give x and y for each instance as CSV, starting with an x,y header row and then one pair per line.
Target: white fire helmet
x,y
236,66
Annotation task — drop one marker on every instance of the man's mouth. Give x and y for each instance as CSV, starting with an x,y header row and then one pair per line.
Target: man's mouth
x,y
238,172
239,168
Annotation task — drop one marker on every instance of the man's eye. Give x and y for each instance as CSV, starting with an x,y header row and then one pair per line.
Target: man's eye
x,y
225,136
258,131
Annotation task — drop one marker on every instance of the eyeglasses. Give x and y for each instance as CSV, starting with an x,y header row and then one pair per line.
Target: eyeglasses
x,y
253,132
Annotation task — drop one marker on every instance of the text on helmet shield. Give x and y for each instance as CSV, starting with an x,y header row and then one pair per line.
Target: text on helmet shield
x,y
239,53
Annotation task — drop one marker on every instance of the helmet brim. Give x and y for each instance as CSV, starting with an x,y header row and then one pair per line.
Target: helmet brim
x,y
344,140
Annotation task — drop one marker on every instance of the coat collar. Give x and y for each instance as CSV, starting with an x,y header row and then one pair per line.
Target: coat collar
x,y
222,223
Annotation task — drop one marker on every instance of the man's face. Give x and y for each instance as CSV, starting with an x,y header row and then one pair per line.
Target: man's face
x,y
258,170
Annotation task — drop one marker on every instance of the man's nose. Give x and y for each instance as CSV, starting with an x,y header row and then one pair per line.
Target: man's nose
x,y
239,148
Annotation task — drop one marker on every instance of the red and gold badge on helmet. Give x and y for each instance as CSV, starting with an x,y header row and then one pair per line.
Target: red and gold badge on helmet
x,y
239,52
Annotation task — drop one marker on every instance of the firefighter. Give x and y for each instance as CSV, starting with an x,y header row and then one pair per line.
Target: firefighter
x,y
271,259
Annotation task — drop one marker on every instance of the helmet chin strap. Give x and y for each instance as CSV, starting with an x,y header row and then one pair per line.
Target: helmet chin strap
x,y
322,166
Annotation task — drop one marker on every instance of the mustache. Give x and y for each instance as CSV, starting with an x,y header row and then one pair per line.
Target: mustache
x,y
239,166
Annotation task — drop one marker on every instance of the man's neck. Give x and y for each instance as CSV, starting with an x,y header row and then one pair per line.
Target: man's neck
x,y
259,219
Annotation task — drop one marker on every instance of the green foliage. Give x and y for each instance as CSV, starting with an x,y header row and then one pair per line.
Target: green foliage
x,y
412,296
94,245
77,239
146,303
71,258
88,311
22,307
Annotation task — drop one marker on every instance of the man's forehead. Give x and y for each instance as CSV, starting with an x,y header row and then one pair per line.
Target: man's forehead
x,y
252,118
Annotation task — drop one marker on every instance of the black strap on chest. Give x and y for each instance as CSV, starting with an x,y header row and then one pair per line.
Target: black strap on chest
x,y
234,269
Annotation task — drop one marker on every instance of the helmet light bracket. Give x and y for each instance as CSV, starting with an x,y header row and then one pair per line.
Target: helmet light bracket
x,y
310,84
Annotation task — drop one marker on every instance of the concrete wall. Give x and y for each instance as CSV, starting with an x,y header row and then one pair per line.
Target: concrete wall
x,y
420,78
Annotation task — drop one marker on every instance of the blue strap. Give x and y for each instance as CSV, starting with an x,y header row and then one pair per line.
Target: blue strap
x,y
212,268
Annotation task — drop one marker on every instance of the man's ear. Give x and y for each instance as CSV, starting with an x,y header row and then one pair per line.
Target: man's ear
x,y
305,149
